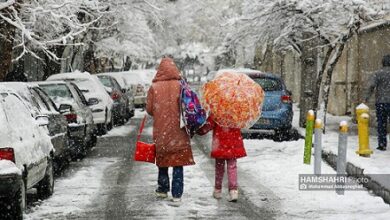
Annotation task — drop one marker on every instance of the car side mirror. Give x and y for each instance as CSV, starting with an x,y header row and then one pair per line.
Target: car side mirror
x,y
92,101
64,108
42,120
123,90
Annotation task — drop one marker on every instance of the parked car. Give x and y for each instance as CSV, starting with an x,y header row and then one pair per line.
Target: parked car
x,y
71,102
94,92
40,103
277,110
137,84
26,155
121,102
126,89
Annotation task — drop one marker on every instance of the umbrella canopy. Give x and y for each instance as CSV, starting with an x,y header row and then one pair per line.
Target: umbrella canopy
x,y
234,99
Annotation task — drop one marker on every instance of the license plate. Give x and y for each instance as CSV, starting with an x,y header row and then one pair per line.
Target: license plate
x,y
264,121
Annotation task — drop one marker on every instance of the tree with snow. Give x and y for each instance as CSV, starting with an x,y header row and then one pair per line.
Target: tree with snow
x,y
292,24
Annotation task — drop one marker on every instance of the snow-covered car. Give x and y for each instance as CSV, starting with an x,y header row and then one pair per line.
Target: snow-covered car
x,y
40,103
121,101
136,80
277,109
94,92
126,89
71,102
26,155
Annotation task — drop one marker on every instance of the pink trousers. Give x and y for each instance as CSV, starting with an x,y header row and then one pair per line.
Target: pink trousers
x,y
231,172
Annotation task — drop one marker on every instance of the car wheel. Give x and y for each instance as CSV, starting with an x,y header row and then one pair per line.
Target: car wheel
x,y
111,124
93,141
45,187
132,113
282,134
13,208
102,129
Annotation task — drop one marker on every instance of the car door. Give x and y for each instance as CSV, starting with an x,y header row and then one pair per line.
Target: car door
x,y
27,139
87,112
124,99
58,126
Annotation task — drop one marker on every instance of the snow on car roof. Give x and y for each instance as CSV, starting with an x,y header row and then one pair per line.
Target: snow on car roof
x,y
239,70
71,75
247,71
119,77
95,89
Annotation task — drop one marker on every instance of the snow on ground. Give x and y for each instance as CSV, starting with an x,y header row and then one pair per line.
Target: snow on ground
x,y
277,166
73,193
120,131
377,163
197,201
139,113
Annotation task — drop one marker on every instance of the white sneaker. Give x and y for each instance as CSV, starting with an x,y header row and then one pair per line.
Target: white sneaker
x,y
176,199
233,195
161,195
175,202
217,194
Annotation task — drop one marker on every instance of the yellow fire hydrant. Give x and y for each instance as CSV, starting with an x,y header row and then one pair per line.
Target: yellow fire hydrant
x,y
363,118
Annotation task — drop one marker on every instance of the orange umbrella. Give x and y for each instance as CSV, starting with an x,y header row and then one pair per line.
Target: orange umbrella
x,y
234,99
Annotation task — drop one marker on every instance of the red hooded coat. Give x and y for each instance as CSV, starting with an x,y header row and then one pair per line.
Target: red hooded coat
x,y
172,143
227,143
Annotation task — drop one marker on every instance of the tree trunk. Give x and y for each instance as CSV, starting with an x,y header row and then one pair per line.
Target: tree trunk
x,y
318,81
329,73
308,76
8,31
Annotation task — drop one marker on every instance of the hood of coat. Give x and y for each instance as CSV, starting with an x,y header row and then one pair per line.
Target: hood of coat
x,y
167,71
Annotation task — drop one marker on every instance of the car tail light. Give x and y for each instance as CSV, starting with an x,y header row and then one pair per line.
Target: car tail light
x,y
115,95
286,99
71,118
7,154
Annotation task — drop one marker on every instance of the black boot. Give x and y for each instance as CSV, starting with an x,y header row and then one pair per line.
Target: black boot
x,y
382,148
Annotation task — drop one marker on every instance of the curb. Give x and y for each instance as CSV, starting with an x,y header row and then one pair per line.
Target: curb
x,y
357,172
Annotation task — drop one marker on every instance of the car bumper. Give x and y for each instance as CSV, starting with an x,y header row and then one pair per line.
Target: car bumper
x,y
273,120
139,100
9,185
99,116
76,131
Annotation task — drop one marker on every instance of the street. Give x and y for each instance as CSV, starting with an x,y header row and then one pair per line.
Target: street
x,y
108,184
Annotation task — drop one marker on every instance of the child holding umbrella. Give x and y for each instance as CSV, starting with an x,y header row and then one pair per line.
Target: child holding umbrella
x,y
227,147
234,102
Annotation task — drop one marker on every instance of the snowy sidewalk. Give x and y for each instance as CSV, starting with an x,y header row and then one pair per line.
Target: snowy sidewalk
x,y
277,165
377,163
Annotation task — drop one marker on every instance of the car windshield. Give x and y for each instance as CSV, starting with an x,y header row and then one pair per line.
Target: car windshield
x,y
57,90
85,85
105,81
269,84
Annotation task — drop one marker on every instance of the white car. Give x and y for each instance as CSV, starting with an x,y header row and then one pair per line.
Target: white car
x,y
139,81
26,154
93,91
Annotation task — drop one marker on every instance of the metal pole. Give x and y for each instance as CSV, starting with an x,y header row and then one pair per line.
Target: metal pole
x,y
309,137
317,146
342,156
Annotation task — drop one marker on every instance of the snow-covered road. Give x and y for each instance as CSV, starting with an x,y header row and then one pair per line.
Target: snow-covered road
x,y
109,185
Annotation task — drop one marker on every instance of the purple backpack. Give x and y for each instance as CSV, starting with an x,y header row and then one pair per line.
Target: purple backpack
x,y
193,116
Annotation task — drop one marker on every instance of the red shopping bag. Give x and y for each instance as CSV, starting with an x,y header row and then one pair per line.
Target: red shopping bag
x,y
144,152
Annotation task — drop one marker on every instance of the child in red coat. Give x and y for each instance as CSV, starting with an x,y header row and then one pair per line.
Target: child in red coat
x,y
227,146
